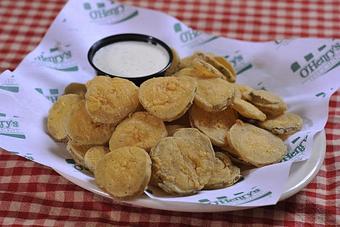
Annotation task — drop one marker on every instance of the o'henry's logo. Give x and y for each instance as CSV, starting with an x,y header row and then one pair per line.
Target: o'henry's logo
x,y
108,12
318,62
239,198
192,38
51,94
10,84
9,126
58,57
298,150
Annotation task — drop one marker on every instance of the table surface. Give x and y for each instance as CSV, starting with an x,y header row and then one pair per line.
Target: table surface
x,y
32,194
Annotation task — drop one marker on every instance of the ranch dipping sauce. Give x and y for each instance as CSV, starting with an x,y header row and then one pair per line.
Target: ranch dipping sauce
x,y
131,59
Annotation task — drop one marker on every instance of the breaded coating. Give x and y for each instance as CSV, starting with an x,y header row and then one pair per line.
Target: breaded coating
x,y
224,174
141,129
59,115
223,67
77,151
283,125
213,124
214,95
226,64
248,110
212,65
124,173
255,145
110,100
183,164
268,102
167,98
82,130
244,91
93,156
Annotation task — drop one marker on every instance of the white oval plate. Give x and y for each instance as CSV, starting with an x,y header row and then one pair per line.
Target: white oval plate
x,y
300,175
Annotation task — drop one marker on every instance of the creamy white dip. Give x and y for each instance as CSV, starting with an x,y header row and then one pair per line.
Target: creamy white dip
x,y
131,58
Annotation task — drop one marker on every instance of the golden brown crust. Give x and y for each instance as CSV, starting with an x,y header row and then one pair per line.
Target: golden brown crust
x,y
83,131
110,100
214,95
248,110
223,67
226,64
245,91
183,164
141,129
213,124
208,66
77,151
255,145
167,98
93,156
283,125
59,115
124,173
268,102
224,174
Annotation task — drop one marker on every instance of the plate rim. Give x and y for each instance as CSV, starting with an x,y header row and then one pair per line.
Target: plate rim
x,y
317,157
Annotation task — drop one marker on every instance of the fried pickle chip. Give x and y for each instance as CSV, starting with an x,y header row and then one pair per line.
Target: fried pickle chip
x,y
93,156
167,98
141,129
196,136
224,174
200,67
283,125
110,100
255,145
213,124
214,95
175,63
77,151
183,164
205,70
59,114
224,67
243,165
124,172
268,102
218,67
226,64
245,91
248,110
75,88
196,73
83,131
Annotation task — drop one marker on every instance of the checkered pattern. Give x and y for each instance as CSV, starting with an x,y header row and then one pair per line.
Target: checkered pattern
x,y
31,194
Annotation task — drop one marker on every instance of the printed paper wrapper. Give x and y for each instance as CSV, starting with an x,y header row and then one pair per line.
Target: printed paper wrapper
x,y
304,72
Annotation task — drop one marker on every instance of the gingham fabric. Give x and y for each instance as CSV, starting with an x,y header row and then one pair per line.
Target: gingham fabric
x,y
34,195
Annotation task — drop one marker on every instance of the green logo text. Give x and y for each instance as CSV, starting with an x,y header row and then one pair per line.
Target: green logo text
x,y
318,62
58,57
239,198
191,38
109,12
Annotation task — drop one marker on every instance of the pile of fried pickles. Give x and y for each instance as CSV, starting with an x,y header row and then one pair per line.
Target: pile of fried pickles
x,y
187,131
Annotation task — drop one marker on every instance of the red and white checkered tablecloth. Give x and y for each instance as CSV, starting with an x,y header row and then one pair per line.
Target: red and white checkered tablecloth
x,y
31,194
